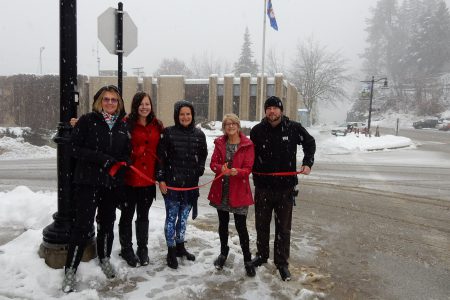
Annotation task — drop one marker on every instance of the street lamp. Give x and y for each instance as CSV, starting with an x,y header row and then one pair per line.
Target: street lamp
x,y
385,85
40,57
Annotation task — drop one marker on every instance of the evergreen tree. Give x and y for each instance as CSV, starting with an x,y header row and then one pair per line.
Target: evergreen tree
x,y
246,63
409,43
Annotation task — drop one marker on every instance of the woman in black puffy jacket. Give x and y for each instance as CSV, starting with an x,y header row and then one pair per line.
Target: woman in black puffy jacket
x,y
182,153
99,140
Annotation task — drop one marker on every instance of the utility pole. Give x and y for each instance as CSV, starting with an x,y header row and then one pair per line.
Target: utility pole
x,y
372,82
40,58
138,71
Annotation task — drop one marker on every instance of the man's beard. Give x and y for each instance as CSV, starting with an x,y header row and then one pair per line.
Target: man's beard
x,y
273,118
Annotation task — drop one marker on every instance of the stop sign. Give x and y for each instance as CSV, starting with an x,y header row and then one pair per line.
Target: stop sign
x,y
107,31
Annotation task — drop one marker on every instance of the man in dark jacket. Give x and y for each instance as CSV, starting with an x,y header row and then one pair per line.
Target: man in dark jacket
x,y
182,153
276,139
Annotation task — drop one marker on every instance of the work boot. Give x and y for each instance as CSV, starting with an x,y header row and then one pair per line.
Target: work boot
x,y
142,241
107,268
69,280
284,273
181,251
172,261
129,256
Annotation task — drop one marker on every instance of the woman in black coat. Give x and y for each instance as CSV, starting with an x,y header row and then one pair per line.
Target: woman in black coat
x,y
182,154
99,140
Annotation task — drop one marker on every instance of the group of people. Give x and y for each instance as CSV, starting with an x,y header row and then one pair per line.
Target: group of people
x,y
120,159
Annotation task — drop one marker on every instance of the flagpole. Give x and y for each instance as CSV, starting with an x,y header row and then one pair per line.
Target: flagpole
x,y
261,103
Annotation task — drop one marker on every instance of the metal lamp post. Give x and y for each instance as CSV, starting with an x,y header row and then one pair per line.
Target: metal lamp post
x,y
372,82
56,235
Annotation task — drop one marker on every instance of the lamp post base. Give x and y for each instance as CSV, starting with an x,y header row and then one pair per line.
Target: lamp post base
x,y
55,254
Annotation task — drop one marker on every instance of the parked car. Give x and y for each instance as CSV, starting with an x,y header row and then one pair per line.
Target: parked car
x,y
340,130
345,128
425,123
444,124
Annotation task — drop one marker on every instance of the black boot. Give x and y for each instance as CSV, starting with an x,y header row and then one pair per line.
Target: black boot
x,y
142,241
249,269
220,260
172,261
181,251
258,261
129,256
127,252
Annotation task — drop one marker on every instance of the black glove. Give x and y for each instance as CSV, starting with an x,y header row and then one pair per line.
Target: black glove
x,y
109,163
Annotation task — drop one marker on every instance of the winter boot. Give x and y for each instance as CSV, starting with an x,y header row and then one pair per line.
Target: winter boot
x,y
107,268
127,253
68,284
142,254
249,269
129,256
142,240
220,260
172,261
181,251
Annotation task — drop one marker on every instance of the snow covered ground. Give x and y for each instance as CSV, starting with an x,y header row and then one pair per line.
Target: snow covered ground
x,y
26,276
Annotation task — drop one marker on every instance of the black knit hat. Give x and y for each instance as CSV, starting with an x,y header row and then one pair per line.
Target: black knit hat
x,y
273,101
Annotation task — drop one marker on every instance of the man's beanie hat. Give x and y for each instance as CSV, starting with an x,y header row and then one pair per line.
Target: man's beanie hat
x,y
273,101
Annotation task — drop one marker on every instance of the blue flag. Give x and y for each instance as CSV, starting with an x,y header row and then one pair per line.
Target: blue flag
x,y
271,15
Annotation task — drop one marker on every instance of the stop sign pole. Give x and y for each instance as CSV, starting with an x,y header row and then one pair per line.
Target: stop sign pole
x,y
119,50
113,26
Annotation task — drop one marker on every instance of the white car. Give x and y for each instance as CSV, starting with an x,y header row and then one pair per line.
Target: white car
x,y
343,129
340,130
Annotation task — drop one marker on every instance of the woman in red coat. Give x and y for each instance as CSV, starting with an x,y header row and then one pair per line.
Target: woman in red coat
x,y
145,131
233,153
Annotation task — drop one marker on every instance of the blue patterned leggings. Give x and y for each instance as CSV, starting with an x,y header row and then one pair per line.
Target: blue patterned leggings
x,y
178,206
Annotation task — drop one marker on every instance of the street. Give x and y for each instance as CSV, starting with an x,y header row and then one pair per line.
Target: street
x,y
364,228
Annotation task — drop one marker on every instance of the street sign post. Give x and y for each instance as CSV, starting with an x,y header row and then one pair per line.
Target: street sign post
x,y
118,34
107,31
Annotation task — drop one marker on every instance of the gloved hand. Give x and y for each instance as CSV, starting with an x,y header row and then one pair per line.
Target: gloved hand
x,y
110,161
118,167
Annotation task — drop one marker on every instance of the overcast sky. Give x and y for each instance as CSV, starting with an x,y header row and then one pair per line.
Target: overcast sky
x,y
178,28
181,29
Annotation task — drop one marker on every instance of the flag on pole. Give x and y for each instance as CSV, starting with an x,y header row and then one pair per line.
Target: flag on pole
x,y
271,15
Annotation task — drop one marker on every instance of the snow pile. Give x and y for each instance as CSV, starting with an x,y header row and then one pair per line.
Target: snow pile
x,y
22,208
353,142
17,148
26,276
16,131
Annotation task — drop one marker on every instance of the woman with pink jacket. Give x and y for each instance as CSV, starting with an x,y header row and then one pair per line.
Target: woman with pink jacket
x,y
233,155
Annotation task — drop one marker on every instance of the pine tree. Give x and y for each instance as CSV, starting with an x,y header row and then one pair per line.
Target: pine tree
x,y
246,63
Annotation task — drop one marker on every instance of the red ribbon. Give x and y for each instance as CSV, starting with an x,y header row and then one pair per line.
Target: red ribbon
x,y
120,164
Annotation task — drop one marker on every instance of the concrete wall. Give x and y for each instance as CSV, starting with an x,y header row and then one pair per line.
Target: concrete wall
x,y
170,90
212,109
244,103
129,88
33,101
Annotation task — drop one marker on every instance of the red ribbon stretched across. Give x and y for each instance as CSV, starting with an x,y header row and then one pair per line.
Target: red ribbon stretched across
x,y
118,165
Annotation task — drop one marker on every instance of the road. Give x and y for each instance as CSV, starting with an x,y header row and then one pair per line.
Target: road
x,y
366,229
